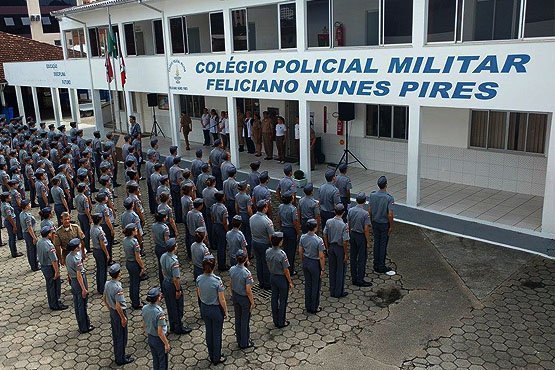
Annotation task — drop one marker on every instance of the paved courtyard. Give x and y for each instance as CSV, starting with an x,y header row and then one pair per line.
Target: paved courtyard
x,y
441,310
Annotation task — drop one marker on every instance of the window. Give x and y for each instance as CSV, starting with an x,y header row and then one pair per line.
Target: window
x,y
76,44
516,131
398,21
25,21
193,105
98,38
46,20
217,32
441,20
9,21
239,22
158,36
129,39
540,18
387,121
178,27
318,23
198,33
144,37
259,28
288,26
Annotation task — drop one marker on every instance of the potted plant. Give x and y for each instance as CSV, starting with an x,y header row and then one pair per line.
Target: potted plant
x,y
299,178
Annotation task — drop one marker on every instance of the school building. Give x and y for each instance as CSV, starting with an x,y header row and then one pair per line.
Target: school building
x,y
453,99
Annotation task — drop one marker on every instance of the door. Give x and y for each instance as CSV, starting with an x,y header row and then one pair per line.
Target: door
x,y
291,116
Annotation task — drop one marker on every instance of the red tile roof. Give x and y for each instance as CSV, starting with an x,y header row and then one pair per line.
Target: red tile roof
x,y
15,48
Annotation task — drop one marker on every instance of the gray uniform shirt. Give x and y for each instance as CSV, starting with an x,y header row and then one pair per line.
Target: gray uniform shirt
x,y
198,251
254,179
210,286
46,252
130,247
160,232
343,184
113,292
286,183
235,241
219,213
196,164
175,175
243,201
98,235
240,278
195,219
155,181
170,266
336,230
312,245
208,197
7,211
329,197
74,264
358,218
215,157
81,203
287,214
186,205
261,192
27,220
154,317
309,207
230,188
261,228
277,260
380,205
57,194
130,217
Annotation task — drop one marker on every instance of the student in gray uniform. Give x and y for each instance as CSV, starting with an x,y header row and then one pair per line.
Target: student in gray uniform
x,y
209,200
254,175
175,187
213,308
163,188
201,179
219,216
359,227
46,253
215,161
165,208
100,252
311,252
134,264
262,229
171,287
168,162
78,282
198,251
230,189
106,222
280,280
286,183
329,197
381,211
28,223
129,216
243,299
243,208
261,192
8,215
16,199
156,328
114,299
235,239
154,184
343,184
58,196
196,165
160,234
41,188
149,169
308,208
289,223
336,240
46,217
186,207
83,206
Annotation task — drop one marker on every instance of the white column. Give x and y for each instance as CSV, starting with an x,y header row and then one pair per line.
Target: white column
x,y
74,105
228,31
304,139
56,105
128,104
233,134
2,96
413,159
548,215
36,104
419,22
301,25
174,118
97,108
20,106
64,44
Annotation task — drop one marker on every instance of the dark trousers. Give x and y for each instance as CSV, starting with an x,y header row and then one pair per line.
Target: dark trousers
x,y
109,238
53,286
210,230
304,228
33,195
115,172
188,240
230,205
381,237
359,256
18,225
290,246
325,216
159,355
134,271
206,135
250,145
346,202
58,210
197,271
31,251
246,229
41,202
336,255
312,284
280,144
152,205
221,244
280,293
159,251
174,306
11,237
225,140
175,191
80,304
242,308
214,322
101,269
86,227
217,173
215,136
262,272
119,336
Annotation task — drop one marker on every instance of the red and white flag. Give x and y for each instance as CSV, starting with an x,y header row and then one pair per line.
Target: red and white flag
x,y
109,69
122,67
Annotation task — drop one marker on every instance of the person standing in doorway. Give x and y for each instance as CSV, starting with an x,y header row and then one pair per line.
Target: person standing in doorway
x,y
205,123
247,133
186,127
256,134
224,129
281,130
214,123
240,122
267,135
381,203
297,138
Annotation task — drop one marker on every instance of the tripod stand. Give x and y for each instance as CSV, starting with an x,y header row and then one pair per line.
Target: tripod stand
x,y
347,152
155,126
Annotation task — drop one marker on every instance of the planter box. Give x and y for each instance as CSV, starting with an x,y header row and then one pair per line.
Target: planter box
x,y
300,183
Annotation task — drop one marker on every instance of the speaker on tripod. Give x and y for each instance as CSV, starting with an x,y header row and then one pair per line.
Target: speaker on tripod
x,y
152,100
346,112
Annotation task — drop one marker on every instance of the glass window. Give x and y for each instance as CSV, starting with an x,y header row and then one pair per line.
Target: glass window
x,y
479,129
497,130
385,119
177,35
93,41
198,33
540,18
400,122
158,36
239,22
536,133
491,19
441,20
288,25
9,21
517,131
25,21
75,43
46,20
129,34
217,31
318,22
398,22
192,105
372,120
356,22
263,27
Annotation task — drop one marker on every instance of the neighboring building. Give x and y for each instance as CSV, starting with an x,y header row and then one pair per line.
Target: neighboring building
x,y
445,90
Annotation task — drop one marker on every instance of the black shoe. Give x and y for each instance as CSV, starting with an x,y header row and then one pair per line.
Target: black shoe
x,y
295,273
343,295
90,328
250,345
220,361
267,288
383,270
139,307
224,268
18,254
60,308
144,277
128,360
115,196
286,324
117,185
364,284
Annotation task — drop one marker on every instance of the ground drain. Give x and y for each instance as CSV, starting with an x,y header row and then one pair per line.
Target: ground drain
x,y
533,284
261,293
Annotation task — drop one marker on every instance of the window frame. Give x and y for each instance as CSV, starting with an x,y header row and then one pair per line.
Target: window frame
x,y
184,32
132,24
210,31
279,5
154,43
246,29
392,125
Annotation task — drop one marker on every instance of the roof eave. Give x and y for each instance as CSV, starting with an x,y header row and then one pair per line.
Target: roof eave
x,y
92,6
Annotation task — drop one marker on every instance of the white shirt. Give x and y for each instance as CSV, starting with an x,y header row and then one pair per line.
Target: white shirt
x,y
297,136
248,125
280,129
205,119
214,124
224,126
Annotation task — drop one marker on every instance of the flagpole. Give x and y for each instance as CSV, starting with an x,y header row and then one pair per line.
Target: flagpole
x,y
122,83
115,77
113,115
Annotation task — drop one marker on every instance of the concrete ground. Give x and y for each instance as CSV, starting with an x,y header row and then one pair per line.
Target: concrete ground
x,y
453,304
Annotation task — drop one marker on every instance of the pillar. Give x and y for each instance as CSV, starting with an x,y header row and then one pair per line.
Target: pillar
x,y
55,95
413,159
74,105
20,106
233,134
97,108
548,215
36,104
228,34
304,139
128,104
174,118
419,22
301,25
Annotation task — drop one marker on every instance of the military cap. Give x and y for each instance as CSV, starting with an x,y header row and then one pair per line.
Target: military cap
x,y
242,185
361,197
382,181
128,201
170,243
163,212
287,193
264,176
240,253
101,196
287,168
154,292
153,142
330,174
177,160
25,203
339,207
204,166
278,234
308,188
46,210
130,226
163,178
201,229
45,230
186,170
231,171
217,142
74,124
114,269
173,148
311,223
238,218
255,165
105,165
12,181
198,202
73,243
150,153
261,203
61,127
343,167
88,141
51,125
198,153
208,257
5,193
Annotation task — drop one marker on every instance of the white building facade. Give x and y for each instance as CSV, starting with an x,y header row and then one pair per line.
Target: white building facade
x,y
459,91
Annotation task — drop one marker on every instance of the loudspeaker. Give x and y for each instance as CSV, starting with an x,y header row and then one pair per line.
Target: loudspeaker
x,y
346,111
152,100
